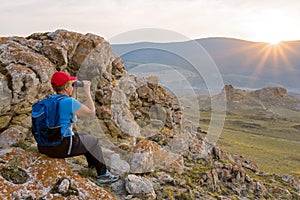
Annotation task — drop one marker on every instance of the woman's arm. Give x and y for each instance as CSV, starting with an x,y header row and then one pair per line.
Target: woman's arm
x,y
89,108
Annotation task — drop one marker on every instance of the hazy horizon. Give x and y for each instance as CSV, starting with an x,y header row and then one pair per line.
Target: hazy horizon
x,y
257,21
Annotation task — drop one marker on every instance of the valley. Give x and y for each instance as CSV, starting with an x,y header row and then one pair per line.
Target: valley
x,y
273,145
270,137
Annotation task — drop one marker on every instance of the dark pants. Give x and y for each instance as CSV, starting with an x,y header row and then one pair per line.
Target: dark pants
x,y
82,144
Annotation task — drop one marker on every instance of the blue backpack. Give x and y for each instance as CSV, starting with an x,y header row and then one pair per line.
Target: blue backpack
x,y
46,128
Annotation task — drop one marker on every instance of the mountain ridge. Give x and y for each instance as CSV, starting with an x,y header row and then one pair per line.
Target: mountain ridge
x,y
241,63
204,38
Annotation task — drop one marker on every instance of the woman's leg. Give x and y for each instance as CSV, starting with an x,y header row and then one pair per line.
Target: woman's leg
x,y
88,145
82,144
94,156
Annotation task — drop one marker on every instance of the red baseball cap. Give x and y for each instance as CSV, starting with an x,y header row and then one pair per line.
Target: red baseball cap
x,y
60,78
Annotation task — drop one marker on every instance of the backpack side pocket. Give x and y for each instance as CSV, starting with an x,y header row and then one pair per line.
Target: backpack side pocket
x,y
54,135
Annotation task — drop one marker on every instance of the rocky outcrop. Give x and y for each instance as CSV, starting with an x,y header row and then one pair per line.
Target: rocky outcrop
x,y
236,95
266,99
270,92
127,107
145,138
29,175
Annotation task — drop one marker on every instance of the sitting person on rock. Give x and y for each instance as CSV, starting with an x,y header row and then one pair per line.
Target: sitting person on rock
x,y
74,144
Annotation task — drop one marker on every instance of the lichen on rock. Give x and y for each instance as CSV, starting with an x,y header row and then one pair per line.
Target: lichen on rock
x,y
14,174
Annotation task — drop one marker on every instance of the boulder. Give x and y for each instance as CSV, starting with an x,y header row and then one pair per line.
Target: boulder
x,y
139,187
43,178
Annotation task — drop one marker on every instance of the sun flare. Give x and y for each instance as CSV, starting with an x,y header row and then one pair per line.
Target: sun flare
x,y
271,26
274,41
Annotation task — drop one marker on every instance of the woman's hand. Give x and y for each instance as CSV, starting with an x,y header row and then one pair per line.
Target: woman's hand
x,y
86,85
89,108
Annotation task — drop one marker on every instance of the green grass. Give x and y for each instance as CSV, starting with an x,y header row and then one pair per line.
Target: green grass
x,y
25,146
272,155
273,145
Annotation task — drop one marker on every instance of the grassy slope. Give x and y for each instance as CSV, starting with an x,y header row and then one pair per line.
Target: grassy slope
x,y
273,145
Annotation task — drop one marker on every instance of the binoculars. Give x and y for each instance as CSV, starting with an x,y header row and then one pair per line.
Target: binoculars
x,y
77,84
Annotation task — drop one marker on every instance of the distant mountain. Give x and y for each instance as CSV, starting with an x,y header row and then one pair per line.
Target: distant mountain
x,y
243,64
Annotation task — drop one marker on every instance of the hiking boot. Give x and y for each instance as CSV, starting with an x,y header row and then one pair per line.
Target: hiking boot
x,y
107,178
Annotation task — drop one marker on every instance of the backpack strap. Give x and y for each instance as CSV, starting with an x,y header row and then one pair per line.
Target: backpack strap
x,y
69,125
71,137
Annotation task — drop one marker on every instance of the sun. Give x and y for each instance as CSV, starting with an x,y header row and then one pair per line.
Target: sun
x,y
270,26
274,41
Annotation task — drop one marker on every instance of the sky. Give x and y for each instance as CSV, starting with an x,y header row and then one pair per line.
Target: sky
x,y
253,20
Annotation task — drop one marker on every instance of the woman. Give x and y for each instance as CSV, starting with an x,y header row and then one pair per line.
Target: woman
x,y
75,144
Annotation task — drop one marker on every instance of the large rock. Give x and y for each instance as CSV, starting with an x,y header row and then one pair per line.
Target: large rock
x,y
35,176
5,94
148,156
140,187
125,103
12,135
